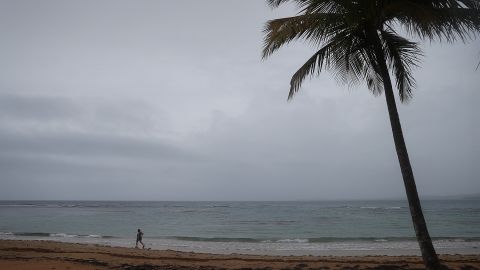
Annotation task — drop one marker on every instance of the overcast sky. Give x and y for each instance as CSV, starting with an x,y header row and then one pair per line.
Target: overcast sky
x,y
170,100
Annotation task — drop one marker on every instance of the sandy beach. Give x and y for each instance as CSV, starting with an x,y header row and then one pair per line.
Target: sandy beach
x,y
39,255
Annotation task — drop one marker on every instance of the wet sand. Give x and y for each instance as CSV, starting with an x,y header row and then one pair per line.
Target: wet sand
x,y
39,255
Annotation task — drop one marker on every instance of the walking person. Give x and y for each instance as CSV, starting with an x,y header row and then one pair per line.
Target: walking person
x,y
139,239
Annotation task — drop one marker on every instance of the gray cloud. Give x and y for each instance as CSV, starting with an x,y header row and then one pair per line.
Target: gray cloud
x,y
35,108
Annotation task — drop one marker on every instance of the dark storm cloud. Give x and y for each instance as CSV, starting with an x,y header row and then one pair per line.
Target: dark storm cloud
x,y
42,126
35,108
89,146
169,100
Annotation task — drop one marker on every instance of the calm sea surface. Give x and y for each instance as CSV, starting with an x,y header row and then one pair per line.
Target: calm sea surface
x,y
247,227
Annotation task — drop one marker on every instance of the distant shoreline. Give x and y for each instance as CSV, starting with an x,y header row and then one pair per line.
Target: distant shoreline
x,y
22,254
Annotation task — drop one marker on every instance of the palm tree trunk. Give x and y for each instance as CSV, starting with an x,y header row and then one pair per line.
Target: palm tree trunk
x,y
429,255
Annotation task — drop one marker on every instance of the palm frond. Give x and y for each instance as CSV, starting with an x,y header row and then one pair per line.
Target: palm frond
x,y
314,63
402,55
323,58
346,57
312,6
325,6
313,27
277,3
448,20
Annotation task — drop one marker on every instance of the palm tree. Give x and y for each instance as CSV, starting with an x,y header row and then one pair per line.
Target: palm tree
x,y
358,41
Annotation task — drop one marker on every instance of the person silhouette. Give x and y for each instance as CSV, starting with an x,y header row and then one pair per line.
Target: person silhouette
x,y
139,239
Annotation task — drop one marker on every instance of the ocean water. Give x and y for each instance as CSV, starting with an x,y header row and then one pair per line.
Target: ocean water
x,y
283,228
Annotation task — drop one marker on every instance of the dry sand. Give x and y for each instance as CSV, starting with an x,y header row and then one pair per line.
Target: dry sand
x,y
39,255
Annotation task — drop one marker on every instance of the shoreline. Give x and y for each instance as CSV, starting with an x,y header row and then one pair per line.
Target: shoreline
x,y
293,248
39,255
